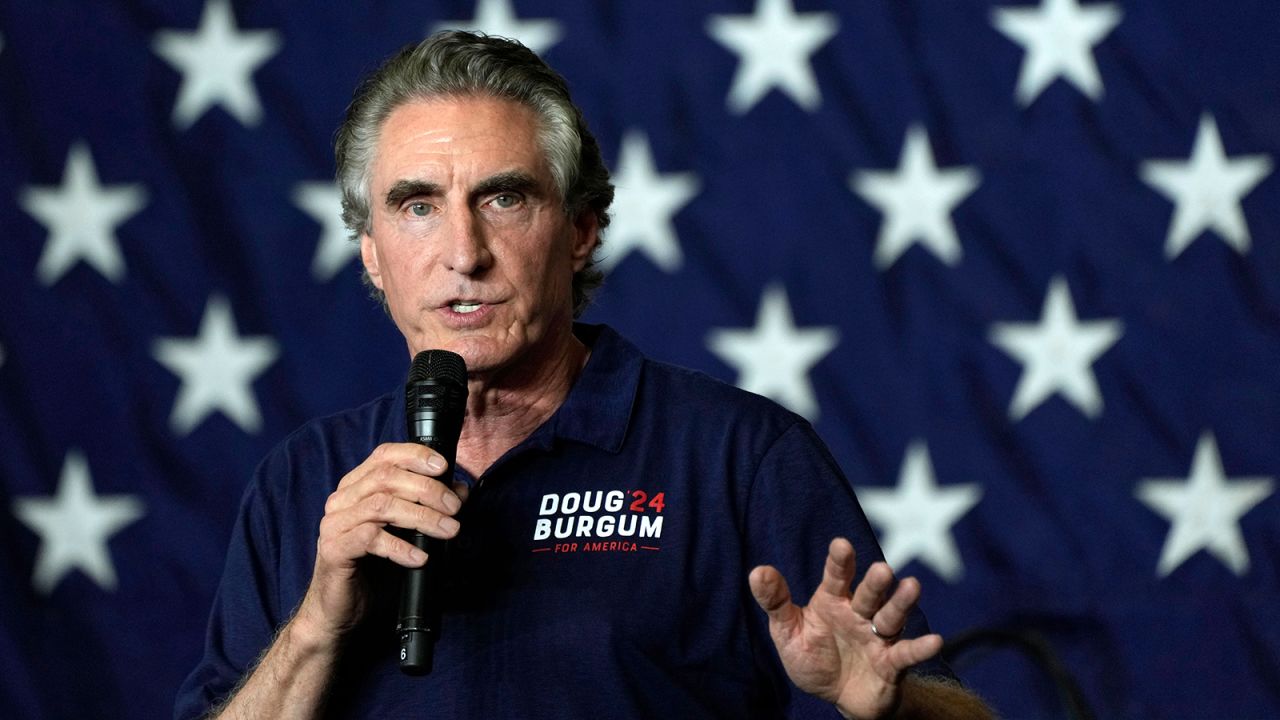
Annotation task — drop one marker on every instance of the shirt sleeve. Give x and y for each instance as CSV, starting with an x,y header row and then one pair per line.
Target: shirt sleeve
x,y
799,501
245,611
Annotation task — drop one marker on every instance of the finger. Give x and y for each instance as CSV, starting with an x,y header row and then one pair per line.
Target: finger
x,y
343,549
837,574
397,550
401,483
413,457
905,653
416,488
411,516
892,616
773,596
869,595
382,509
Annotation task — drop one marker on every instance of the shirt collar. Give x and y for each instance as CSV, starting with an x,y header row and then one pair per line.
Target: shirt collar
x,y
597,410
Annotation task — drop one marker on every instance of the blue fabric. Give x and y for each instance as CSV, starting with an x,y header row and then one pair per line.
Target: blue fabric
x,y
641,611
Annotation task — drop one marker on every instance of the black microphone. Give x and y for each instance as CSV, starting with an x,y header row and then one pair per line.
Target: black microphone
x,y
435,401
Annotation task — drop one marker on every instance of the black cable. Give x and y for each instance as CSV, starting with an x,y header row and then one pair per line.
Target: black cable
x,y
1034,646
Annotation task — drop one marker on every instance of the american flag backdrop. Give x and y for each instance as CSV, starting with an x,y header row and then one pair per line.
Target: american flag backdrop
x,y
1019,262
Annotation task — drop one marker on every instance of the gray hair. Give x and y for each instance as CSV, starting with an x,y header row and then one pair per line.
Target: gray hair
x,y
462,64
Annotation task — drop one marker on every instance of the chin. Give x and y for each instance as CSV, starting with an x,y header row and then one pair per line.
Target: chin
x,y
481,354
486,350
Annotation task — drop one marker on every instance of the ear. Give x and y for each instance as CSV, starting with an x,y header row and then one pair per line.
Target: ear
x,y
369,256
586,235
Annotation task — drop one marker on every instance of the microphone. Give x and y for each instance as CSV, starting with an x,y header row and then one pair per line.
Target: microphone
x,y
435,401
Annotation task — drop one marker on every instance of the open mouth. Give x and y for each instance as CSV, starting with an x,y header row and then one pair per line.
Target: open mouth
x,y
464,307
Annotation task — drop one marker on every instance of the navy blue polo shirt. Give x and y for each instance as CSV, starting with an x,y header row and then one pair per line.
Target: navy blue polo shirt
x,y
601,568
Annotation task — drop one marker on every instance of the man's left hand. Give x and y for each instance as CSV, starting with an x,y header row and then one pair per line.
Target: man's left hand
x,y
829,648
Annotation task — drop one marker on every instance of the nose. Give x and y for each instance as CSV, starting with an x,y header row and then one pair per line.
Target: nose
x,y
467,252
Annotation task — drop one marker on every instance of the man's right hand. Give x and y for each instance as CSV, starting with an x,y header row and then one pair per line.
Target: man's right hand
x,y
397,485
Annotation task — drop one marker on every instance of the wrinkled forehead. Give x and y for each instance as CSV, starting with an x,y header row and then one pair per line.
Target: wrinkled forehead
x,y
460,125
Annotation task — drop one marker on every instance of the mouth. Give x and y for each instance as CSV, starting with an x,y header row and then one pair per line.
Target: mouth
x,y
464,308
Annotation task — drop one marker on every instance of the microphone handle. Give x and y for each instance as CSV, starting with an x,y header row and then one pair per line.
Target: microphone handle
x,y
419,625
421,595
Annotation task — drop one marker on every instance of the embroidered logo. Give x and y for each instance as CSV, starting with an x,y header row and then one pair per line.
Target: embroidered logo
x,y
599,521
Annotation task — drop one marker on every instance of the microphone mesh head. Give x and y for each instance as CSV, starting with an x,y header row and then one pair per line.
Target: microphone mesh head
x,y
441,365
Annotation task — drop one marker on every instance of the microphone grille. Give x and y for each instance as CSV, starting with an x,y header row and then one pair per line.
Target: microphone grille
x,y
441,365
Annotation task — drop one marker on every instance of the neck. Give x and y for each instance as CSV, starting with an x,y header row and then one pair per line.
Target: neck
x,y
505,407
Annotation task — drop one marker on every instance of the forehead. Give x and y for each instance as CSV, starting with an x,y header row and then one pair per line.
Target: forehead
x,y
458,133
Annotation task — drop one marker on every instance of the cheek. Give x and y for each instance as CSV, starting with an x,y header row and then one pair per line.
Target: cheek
x,y
404,258
404,291
558,291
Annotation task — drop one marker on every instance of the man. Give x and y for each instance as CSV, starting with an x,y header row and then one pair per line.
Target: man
x,y
613,505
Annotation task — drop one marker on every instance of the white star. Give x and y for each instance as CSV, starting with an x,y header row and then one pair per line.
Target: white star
x,y
773,46
498,18
82,217
1204,511
323,202
217,368
915,518
1207,190
916,201
217,62
74,527
643,205
1057,354
773,358
1059,37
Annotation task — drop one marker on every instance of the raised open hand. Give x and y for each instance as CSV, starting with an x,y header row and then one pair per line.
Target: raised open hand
x,y
844,647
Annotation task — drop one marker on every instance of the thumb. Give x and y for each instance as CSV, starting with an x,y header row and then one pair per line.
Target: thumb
x,y
770,590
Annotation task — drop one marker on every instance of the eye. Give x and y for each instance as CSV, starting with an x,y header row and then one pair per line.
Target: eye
x,y
506,200
419,209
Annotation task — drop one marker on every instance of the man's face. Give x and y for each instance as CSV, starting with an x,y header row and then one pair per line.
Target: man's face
x,y
469,238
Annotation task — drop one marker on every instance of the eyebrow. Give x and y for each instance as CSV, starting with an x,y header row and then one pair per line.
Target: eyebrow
x,y
509,181
404,189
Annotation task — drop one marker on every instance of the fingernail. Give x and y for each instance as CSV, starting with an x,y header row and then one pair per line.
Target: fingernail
x,y
452,502
417,556
435,463
449,525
